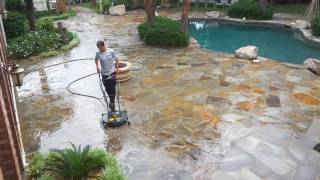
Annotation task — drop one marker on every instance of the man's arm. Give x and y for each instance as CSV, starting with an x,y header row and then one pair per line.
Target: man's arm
x,y
97,61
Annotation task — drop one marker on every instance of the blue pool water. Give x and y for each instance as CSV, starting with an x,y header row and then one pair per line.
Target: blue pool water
x,y
274,43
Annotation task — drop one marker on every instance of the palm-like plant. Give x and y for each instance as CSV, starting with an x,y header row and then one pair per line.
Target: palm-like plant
x,y
75,163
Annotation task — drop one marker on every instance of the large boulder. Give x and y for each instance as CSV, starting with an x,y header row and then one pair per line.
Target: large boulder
x,y
313,65
247,52
117,10
213,14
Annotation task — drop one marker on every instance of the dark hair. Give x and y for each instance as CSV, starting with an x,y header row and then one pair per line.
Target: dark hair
x,y
100,43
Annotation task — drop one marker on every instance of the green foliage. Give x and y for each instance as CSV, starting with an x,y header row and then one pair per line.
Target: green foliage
x,y
14,5
74,42
164,32
75,163
45,24
112,168
68,14
47,54
249,9
105,5
113,173
34,43
35,168
15,25
45,177
127,3
290,8
315,26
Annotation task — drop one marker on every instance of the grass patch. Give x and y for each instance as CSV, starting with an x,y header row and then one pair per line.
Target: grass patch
x,y
290,8
68,14
48,54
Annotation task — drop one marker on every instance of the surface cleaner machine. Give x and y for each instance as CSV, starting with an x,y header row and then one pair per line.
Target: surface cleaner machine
x,y
116,117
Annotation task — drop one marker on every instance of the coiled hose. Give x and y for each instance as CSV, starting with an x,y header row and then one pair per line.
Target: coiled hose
x,y
83,77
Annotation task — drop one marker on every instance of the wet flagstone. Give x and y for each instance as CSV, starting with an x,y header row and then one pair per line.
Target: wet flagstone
x,y
195,114
306,99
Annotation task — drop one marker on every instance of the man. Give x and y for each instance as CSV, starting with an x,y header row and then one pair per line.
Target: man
x,y
107,64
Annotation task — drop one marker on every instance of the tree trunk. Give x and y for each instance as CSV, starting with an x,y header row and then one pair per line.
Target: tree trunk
x,y
150,6
184,15
61,6
69,5
30,15
49,7
93,3
263,4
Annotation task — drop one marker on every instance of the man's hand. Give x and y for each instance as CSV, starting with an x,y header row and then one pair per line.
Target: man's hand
x,y
98,69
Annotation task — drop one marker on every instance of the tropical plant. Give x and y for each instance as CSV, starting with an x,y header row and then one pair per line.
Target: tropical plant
x,y
112,167
75,163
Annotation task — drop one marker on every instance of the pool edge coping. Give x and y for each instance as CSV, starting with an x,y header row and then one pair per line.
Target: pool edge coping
x,y
305,32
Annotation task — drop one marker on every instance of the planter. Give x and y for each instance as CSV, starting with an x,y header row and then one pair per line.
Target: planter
x,y
124,73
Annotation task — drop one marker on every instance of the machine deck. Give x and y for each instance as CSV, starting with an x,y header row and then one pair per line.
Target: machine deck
x,y
120,118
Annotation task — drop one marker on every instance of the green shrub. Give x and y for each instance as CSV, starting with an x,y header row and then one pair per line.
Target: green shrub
x,y
105,4
164,32
127,3
77,164
45,24
34,43
14,5
249,9
35,168
15,25
315,26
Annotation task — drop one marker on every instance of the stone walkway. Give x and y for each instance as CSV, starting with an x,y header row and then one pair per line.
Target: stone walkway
x,y
195,114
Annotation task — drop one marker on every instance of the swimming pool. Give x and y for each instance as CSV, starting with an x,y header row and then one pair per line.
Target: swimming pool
x,y
277,43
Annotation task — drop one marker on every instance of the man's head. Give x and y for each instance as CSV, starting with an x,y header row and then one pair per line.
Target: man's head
x,y
101,46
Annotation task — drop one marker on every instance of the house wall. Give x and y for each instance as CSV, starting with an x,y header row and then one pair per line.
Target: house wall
x,y
11,164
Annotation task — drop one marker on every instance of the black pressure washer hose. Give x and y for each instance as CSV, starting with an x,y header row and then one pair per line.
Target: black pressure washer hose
x,y
83,77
